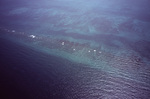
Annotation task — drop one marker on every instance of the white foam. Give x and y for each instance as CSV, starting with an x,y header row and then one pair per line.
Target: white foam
x,y
63,43
32,36
13,31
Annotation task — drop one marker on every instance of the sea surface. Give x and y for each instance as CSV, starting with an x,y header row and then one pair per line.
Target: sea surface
x,y
30,74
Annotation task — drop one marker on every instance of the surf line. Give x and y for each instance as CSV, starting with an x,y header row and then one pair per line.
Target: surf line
x,y
74,46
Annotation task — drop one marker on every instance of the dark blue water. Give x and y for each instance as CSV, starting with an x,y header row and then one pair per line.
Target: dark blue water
x,y
26,74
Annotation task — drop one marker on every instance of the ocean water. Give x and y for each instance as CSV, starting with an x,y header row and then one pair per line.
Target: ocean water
x,y
75,49
27,73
